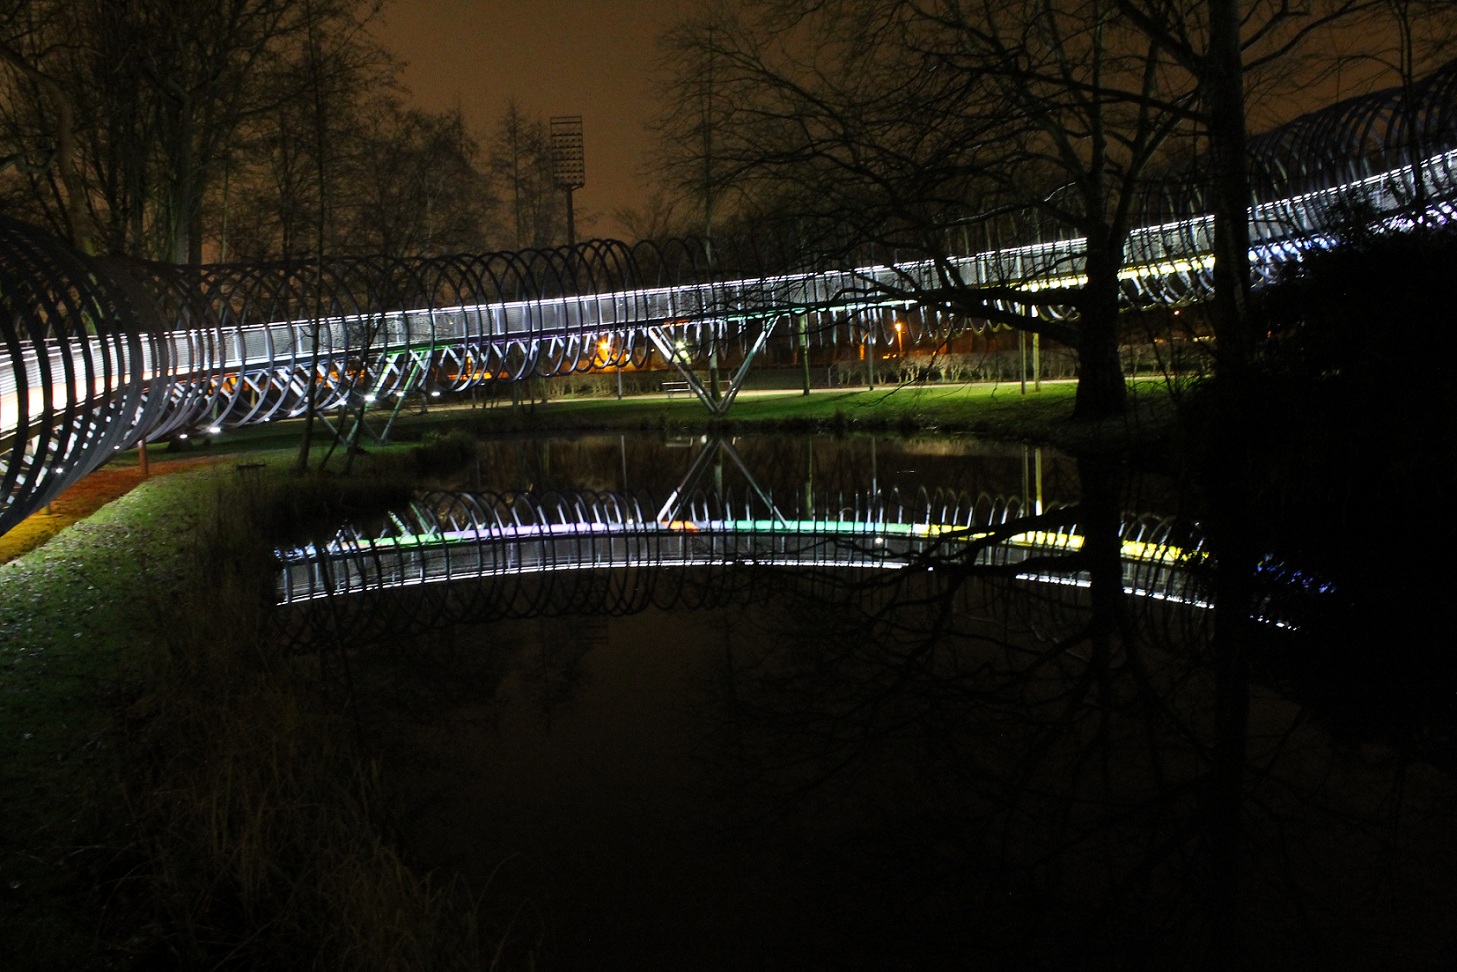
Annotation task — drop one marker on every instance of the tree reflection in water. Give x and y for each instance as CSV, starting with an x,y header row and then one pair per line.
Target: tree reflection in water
x,y
1017,774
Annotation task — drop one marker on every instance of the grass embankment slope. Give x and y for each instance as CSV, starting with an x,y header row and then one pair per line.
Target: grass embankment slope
x,y
90,631
172,789
74,642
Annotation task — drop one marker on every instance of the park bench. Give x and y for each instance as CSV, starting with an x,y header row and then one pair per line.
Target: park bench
x,y
671,388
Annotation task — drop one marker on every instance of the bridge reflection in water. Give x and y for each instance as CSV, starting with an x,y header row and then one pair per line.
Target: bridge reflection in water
x,y
470,556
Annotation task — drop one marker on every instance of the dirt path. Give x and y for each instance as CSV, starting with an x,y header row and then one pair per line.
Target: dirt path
x,y
84,498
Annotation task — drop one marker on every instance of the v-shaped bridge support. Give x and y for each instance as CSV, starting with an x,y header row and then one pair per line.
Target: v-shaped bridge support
x,y
715,448
718,404
403,371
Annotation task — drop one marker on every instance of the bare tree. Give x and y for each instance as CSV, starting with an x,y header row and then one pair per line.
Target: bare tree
x,y
421,192
659,218
917,124
166,95
520,164
55,158
1222,43
1422,35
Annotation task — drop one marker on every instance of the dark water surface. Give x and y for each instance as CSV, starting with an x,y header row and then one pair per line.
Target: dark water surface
x,y
943,769
782,465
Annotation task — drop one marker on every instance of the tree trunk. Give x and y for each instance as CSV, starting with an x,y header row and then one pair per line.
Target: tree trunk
x,y
77,224
1229,187
1102,391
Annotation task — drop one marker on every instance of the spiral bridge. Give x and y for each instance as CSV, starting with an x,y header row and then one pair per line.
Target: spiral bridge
x,y
101,354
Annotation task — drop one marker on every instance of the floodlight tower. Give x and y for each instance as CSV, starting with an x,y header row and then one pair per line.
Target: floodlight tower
x,y
568,163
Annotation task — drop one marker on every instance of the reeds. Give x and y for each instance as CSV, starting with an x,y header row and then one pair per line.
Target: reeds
x,y
259,821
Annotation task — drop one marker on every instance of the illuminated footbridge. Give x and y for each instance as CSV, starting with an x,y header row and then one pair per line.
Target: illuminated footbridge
x,y
102,354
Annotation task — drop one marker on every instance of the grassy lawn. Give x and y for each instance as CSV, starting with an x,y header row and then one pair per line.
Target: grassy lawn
x,y
987,410
956,406
953,406
167,783
113,653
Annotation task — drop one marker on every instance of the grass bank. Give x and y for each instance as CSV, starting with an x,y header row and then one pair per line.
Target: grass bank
x,y
76,635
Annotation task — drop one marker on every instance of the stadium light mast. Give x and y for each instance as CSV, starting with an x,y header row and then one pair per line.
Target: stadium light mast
x,y
568,163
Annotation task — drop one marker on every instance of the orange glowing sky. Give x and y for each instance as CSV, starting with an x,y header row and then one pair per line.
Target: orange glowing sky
x,y
592,58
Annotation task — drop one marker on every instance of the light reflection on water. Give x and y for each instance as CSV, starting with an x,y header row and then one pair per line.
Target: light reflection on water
x,y
950,770
781,465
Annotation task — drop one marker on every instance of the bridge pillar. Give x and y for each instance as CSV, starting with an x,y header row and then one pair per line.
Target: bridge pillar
x,y
804,348
717,404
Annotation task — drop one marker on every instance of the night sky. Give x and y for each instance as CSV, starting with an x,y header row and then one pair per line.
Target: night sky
x,y
555,57
597,58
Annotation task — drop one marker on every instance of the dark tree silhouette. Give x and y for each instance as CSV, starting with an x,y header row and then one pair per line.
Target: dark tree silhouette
x,y
928,129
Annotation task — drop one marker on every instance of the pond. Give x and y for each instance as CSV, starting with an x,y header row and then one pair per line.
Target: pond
x,y
968,761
